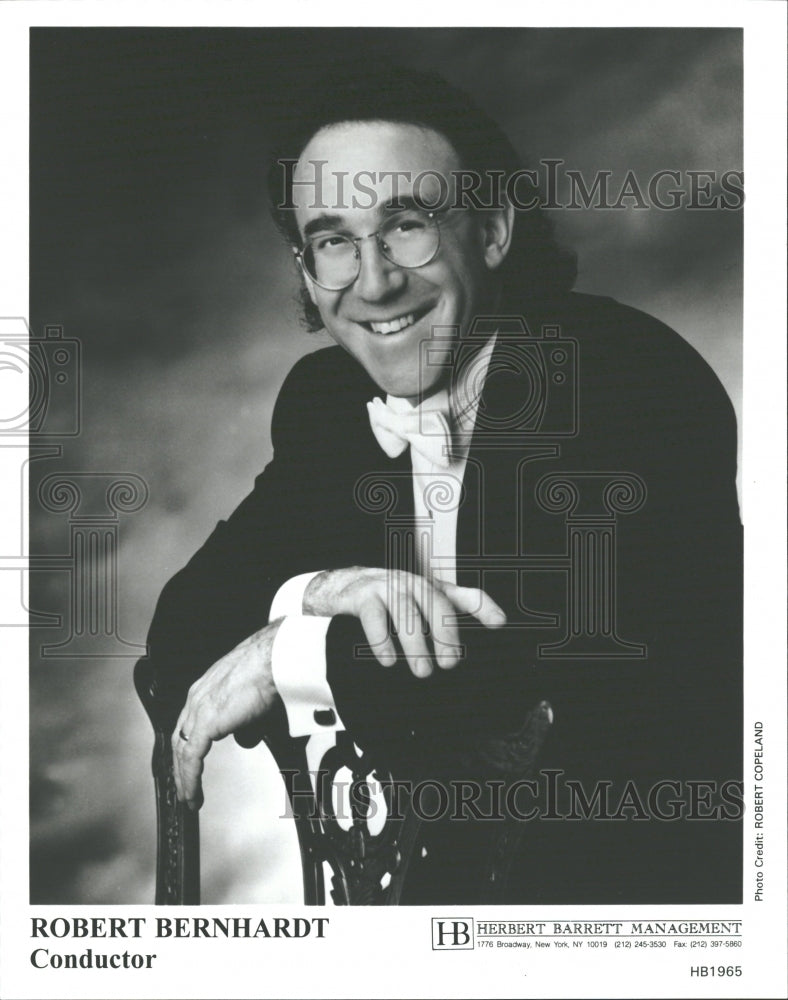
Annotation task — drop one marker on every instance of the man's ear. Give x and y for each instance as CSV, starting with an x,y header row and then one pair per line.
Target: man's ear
x,y
498,227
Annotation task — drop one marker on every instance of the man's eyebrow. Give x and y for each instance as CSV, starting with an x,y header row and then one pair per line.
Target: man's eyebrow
x,y
321,223
400,203
404,203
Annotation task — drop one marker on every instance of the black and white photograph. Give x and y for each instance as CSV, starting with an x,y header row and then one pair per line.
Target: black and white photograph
x,y
377,508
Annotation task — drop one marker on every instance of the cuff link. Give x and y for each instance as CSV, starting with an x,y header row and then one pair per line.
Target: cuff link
x,y
324,716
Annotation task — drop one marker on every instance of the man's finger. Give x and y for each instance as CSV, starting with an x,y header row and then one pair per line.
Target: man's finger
x,y
473,601
175,743
189,755
375,622
410,632
402,601
439,612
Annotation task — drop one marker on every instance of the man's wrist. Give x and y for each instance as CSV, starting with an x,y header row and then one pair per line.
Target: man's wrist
x,y
289,599
317,594
264,641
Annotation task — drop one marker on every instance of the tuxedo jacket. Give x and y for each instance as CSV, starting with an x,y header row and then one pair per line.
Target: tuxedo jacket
x,y
625,399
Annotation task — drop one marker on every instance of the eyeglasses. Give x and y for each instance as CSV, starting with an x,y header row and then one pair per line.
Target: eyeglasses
x,y
333,261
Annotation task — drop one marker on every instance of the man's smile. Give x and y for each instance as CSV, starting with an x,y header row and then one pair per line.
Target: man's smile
x,y
396,324
389,310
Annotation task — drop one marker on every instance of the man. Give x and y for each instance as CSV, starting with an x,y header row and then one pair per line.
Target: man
x,y
465,366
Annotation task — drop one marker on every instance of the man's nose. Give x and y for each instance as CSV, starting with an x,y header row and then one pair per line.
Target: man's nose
x,y
377,278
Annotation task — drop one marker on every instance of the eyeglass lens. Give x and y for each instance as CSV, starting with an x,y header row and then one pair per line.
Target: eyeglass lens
x,y
408,240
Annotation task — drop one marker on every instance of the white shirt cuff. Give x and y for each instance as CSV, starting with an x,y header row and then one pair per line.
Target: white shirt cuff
x,y
289,599
298,665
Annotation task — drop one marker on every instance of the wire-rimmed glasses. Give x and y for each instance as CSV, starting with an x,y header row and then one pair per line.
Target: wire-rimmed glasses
x,y
408,239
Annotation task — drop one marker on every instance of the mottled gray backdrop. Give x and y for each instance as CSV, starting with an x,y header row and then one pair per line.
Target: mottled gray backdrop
x,y
150,243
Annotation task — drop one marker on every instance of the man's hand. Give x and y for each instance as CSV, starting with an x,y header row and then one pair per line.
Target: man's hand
x,y
235,691
414,606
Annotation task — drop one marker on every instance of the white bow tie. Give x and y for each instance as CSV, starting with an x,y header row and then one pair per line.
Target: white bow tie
x,y
426,431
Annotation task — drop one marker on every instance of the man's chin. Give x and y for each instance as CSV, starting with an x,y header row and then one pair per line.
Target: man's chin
x,y
406,387
399,363
419,372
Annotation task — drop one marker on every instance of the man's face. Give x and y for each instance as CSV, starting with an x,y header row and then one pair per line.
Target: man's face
x,y
386,313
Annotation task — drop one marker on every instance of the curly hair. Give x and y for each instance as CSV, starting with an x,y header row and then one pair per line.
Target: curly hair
x,y
357,92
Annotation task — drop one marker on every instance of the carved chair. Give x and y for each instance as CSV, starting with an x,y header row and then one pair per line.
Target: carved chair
x,y
367,868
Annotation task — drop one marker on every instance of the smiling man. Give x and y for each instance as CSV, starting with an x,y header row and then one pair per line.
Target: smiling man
x,y
491,494
382,313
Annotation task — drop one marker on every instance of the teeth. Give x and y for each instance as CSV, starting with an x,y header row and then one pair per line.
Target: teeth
x,y
394,325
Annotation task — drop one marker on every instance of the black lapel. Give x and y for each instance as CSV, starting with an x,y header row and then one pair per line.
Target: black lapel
x,y
490,518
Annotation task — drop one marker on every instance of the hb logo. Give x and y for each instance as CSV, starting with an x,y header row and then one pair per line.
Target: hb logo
x,y
451,934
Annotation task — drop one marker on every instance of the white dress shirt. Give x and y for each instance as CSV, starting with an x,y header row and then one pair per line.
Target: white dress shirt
x,y
298,655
